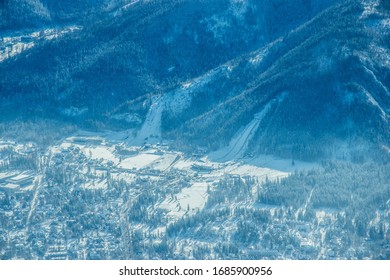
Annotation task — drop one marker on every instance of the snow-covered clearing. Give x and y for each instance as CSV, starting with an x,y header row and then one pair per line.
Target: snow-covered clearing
x,y
239,143
165,162
101,152
128,5
188,201
35,199
179,100
184,164
138,161
284,165
259,56
260,172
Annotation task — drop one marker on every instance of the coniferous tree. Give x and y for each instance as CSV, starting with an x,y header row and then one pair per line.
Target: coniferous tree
x,y
385,4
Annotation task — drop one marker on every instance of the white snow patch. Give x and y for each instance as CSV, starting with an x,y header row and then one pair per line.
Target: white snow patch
x,y
370,7
239,143
138,161
128,5
285,165
184,164
188,201
96,185
259,56
371,99
382,55
386,148
101,152
165,162
386,23
260,172
151,129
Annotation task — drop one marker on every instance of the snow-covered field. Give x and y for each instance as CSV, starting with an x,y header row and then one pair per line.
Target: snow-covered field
x,y
284,165
139,161
187,202
260,172
102,152
165,162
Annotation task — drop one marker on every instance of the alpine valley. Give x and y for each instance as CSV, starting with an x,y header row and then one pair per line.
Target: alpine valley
x,y
195,129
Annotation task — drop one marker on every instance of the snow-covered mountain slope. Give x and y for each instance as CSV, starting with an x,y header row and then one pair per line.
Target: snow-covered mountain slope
x,y
28,14
214,65
336,72
182,129
148,47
